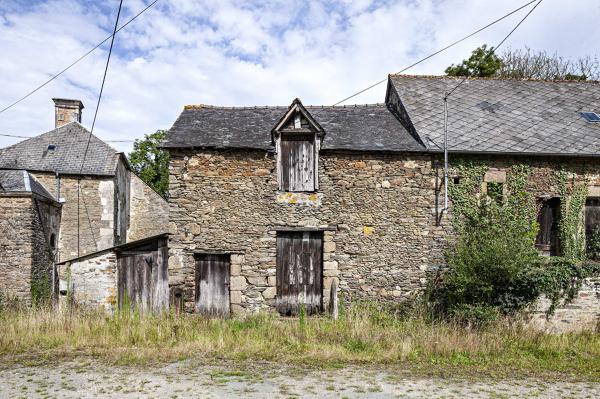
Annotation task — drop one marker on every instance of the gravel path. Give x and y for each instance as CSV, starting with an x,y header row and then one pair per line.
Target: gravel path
x,y
88,379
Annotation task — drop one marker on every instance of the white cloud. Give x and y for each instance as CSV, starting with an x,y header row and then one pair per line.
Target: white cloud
x,y
247,52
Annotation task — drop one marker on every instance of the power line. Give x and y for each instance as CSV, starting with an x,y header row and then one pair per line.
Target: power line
x,y
112,41
448,94
76,61
30,137
493,49
438,51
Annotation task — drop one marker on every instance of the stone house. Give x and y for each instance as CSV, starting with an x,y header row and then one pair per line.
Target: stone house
x,y
101,203
270,205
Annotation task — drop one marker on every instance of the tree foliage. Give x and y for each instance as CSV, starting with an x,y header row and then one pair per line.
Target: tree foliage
x,y
151,163
482,63
526,64
529,64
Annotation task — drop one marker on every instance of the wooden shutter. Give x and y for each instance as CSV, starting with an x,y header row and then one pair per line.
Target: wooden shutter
x,y
297,162
547,239
299,272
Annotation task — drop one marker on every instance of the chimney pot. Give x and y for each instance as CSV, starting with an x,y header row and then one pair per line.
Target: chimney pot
x,y
66,111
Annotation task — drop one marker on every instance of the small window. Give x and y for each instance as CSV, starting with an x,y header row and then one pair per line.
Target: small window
x,y
51,147
52,241
591,117
547,239
297,162
456,180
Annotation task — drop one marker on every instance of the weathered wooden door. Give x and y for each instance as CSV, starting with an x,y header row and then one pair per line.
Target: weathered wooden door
x,y
143,279
212,284
299,272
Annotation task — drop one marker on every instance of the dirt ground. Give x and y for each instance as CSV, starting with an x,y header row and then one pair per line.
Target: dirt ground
x,y
90,379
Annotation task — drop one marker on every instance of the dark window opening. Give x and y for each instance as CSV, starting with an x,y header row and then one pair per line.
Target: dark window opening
x,y
297,162
456,180
495,191
592,228
52,241
547,239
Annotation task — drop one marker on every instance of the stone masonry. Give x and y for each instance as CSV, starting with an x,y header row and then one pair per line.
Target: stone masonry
x,y
149,212
91,280
378,212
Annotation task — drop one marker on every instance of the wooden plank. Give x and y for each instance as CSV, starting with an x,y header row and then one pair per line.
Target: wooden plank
x,y
299,272
212,285
297,163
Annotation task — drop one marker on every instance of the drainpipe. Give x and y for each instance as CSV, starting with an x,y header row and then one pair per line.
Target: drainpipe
x,y
445,153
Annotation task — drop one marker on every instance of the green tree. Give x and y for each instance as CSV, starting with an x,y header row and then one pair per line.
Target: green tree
x,y
482,63
151,163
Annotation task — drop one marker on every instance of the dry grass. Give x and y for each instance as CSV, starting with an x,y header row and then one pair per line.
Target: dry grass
x,y
363,334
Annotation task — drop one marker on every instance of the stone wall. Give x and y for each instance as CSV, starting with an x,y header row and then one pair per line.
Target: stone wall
x,y
122,184
149,212
583,313
90,281
16,247
45,227
379,215
96,213
378,212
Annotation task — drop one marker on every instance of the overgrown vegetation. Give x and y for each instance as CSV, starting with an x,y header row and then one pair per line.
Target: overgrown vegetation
x,y
525,64
493,267
151,163
366,333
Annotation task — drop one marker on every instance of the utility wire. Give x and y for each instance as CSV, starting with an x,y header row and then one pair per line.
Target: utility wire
x,y
77,60
493,49
30,137
112,41
439,51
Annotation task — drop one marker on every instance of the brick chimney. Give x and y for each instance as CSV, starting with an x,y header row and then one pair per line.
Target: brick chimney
x,y
66,111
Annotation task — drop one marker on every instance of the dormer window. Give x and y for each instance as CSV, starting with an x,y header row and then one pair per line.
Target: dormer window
x,y
297,139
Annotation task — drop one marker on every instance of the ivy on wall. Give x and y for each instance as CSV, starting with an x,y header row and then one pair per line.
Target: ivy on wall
x,y
571,221
493,266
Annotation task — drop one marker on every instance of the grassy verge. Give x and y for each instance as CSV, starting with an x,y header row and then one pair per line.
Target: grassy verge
x,y
363,335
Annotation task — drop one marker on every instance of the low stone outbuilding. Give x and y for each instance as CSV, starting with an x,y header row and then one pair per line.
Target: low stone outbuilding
x,y
270,205
132,275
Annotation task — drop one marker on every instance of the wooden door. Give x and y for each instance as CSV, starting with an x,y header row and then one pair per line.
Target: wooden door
x,y
212,285
299,272
143,280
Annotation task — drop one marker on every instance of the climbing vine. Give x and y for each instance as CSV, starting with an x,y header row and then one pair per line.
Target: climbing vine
x,y
493,266
571,223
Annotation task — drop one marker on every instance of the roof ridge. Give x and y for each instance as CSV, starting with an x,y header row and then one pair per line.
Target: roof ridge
x,y
277,107
491,78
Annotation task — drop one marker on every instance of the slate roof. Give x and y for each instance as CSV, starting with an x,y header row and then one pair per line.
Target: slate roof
x,y
361,127
70,141
20,181
504,116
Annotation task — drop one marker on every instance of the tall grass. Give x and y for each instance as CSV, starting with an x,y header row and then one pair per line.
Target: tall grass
x,y
364,334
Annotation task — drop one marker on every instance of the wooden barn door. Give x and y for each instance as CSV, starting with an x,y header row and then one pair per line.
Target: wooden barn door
x,y
212,285
299,272
143,280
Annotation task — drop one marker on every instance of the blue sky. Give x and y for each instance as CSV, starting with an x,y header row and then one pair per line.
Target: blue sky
x,y
247,52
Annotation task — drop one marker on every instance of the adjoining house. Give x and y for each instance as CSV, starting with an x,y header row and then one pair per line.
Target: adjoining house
x,y
270,205
99,202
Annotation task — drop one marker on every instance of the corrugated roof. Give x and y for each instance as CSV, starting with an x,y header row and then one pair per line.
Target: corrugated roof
x,y
362,127
69,143
20,181
505,116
